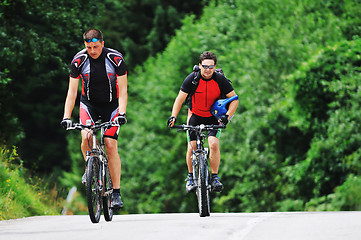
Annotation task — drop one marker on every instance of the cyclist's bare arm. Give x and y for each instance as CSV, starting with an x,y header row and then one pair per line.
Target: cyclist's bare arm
x,y
233,105
123,93
71,97
178,104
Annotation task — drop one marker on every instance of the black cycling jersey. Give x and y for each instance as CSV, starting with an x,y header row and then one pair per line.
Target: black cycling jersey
x,y
208,91
99,76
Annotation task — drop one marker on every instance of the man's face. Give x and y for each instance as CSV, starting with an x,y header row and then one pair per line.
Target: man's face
x,y
207,68
94,49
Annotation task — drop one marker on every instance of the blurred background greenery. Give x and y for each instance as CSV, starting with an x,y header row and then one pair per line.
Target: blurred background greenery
x,y
294,144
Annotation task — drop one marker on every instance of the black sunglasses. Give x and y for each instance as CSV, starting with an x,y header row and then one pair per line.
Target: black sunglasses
x,y
92,39
208,66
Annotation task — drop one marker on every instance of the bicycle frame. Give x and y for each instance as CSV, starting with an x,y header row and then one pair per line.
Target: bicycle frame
x,y
98,184
200,150
97,149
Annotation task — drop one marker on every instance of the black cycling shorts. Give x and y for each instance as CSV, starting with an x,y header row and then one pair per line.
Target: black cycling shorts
x,y
196,120
103,111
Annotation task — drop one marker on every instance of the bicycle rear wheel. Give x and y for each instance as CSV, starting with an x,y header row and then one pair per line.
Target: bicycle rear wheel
x,y
202,188
92,189
107,198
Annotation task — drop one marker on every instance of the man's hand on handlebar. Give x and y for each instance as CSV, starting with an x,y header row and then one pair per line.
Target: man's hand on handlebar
x,y
120,119
66,123
171,121
224,119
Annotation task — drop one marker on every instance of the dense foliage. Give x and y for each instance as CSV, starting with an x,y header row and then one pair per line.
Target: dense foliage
x,y
294,143
37,45
274,156
142,28
38,40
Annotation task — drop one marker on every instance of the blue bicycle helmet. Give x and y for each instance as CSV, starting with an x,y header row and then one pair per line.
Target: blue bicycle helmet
x,y
219,108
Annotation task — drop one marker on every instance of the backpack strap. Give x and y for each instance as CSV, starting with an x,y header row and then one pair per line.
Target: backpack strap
x,y
195,82
197,75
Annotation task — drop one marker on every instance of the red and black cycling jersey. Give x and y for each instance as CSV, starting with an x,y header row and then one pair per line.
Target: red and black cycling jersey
x,y
99,76
207,92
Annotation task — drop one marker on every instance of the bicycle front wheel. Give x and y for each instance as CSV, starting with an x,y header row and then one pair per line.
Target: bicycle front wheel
x,y
93,189
107,198
202,188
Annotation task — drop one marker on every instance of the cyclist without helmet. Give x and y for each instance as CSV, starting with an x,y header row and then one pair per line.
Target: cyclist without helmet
x,y
210,88
104,95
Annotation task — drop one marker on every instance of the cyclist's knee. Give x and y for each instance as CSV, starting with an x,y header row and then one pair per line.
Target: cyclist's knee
x,y
192,145
213,143
111,145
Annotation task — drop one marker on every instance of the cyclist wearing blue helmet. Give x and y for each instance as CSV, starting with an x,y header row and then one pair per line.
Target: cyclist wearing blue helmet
x,y
211,86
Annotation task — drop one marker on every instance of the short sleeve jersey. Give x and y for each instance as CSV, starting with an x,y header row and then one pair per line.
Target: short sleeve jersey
x,y
99,76
207,92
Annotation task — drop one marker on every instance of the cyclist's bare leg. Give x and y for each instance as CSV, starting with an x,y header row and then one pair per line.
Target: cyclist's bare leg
x,y
115,166
214,154
86,140
189,155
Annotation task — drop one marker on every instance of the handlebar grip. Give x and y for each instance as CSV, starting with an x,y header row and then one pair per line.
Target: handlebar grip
x,y
178,126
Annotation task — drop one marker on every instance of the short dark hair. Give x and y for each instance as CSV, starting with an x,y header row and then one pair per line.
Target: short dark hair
x,y
93,33
208,55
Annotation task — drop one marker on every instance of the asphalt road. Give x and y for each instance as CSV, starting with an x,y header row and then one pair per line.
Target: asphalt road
x,y
220,226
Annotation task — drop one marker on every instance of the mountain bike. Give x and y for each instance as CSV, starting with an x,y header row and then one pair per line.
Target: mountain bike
x,y
200,166
98,185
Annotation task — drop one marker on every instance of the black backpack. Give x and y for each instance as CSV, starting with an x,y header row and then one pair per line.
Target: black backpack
x,y
195,82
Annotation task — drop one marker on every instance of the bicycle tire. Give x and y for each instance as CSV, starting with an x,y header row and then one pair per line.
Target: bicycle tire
x,y
202,188
107,198
92,189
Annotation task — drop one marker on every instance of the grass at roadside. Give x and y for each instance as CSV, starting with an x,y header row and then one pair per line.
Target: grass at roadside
x,y
23,195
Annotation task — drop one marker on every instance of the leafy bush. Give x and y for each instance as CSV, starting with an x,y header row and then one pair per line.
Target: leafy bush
x,y
327,96
20,195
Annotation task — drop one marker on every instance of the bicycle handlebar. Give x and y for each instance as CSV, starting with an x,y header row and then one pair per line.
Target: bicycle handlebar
x,y
200,128
79,126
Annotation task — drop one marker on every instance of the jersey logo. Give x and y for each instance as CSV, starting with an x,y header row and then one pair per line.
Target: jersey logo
x,y
115,59
77,62
80,60
110,76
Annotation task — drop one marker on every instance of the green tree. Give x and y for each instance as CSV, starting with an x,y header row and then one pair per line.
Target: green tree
x,y
142,28
266,150
38,39
327,97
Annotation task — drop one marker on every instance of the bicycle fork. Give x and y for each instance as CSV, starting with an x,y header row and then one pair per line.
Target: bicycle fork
x,y
104,177
102,184
101,171
197,161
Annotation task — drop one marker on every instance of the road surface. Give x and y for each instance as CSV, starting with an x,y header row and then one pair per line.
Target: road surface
x,y
220,226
